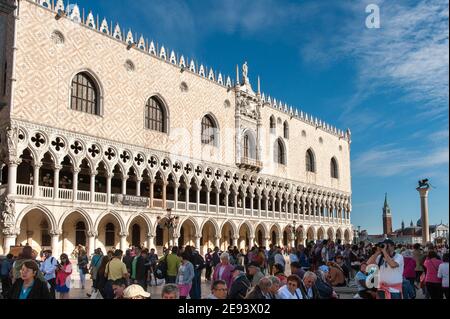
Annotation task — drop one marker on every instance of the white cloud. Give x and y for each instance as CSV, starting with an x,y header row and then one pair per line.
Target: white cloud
x,y
389,160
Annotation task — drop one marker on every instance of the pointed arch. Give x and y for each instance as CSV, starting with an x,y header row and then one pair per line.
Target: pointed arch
x,y
86,92
48,214
115,215
147,220
334,168
193,221
80,211
310,161
232,224
157,116
216,226
210,130
280,155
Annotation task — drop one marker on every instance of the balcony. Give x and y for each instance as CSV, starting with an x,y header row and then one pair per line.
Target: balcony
x,y
84,197
250,164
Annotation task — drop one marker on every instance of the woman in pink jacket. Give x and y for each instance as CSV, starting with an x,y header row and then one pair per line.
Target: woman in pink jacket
x,y
409,270
224,270
432,281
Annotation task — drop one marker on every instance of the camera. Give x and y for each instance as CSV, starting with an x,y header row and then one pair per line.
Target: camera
x,y
381,245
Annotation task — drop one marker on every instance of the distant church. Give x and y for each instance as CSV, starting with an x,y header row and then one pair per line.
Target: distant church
x,y
406,235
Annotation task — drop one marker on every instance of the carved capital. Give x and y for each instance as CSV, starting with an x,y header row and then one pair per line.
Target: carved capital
x,y
92,233
150,235
123,234
55,232
11,231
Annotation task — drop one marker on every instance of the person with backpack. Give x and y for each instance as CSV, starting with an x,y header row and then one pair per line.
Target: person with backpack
x,y
93,268
83,262
169,265
208,264
48,268
152,261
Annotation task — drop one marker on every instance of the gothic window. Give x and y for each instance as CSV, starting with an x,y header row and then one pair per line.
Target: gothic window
x,y
273,124
334,168
209,131
249,145
109,234
85,95
310,162
280,152
286,130
246,146
155,115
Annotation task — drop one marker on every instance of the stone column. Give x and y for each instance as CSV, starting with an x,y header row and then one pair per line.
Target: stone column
x,y
108,188
218,200
75,184
124,184
56,181
227,194
164,194
424,214
138,186
252,196
177,185
123,241
55,242
152,190
217,241
92,187
187,196
208,198
266,241
280,201
1,172
12,177
251,240
266,199
92,235
35,179
150,243
197,242
235,240
10,235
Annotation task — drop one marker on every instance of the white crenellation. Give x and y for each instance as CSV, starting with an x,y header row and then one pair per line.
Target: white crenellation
x,y
182,62
162,53
141,44
104,27
117,32
90,21
201,72
229,84
220,79
173,58
152,49
129,39
211,75
75,14
59,6
192,66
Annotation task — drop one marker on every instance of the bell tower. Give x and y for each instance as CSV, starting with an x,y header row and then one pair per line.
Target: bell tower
x,y
387,218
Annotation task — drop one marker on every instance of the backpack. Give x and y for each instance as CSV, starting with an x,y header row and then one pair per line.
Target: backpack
x,y
161,269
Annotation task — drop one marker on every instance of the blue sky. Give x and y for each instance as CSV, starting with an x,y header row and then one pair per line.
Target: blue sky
x,y
388,85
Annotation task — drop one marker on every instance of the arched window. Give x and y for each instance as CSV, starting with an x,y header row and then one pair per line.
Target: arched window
x,y
85,95
155,115
273,124
80,234
280,152
209,131
249,145
286,130
310,162
109,234
334,168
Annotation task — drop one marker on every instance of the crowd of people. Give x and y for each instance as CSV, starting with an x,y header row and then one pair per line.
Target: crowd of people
x,y
316,271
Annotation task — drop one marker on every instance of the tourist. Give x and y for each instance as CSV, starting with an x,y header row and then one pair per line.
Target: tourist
x,y
135,292
152,261
293,257
140,269
93,268
340,261
7,264
432,281
219,290
255,271
101,278
292,289
208,264
303,257
127,260
48,268
63,277
276,285
364,292
169,291
409,274
118,287
296,269
173,264
25,255
83,262
115,269
261,291
308,286
215,257
323,286
223,270
29,286
185,276
278,271
443,274
419,257
391,267
335,275
240,284
199,263
278,257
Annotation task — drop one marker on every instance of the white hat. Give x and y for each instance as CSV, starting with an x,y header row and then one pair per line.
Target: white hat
x,y
134,291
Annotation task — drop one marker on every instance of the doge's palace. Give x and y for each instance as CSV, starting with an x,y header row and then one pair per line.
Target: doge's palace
x,y
105,133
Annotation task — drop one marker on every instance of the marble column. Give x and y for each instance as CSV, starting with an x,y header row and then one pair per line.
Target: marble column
x,y
108,188
164,194
217,241
56,181
12,177
251,242
138,186
75,184
92,187
35,179
424,214
124,184
55,242
9,239
152,190
150,242
92,235
197,242
123,241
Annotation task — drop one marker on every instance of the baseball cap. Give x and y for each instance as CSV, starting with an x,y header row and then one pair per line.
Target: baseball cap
x,y
239,267
134,291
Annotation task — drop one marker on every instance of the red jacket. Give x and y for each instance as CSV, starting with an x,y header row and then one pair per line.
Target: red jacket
x,y
226,275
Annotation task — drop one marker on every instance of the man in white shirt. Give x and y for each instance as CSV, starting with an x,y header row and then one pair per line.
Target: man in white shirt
x,y
391,265
48,268
443,273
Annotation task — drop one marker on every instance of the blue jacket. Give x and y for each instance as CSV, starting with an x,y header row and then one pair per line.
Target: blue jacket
x,y
187,275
